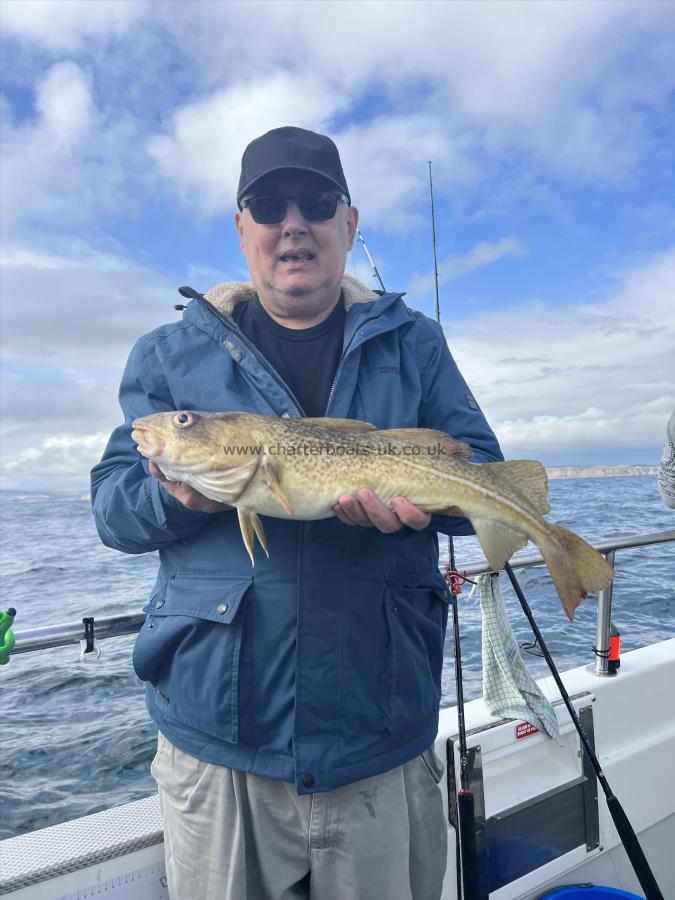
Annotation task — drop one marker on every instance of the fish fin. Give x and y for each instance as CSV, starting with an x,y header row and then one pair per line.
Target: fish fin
x,y
526,476
260,532
225,485
246,528
335,424
438,441
499,541
576,568
272,480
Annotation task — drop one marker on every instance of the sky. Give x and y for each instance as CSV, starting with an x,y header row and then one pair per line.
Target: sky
x,y
550,127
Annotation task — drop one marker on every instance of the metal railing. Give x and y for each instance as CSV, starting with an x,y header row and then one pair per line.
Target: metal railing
x,y
114,626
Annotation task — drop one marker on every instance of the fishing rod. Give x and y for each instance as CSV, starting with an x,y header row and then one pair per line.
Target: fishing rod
x,y
376,274
466,816
629,839
433,233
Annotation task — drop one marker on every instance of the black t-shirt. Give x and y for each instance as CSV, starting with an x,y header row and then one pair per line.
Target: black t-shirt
x,y
306,358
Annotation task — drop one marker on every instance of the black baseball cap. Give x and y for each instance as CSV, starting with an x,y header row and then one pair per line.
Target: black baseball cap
x,y
290,148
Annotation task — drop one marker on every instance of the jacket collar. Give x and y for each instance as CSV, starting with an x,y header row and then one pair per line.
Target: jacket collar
x,y
229,294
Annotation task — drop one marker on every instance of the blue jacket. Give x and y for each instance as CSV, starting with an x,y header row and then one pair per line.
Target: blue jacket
x,y
322,665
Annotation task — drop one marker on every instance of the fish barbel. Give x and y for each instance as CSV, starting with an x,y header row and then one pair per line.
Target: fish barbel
x,y
298,469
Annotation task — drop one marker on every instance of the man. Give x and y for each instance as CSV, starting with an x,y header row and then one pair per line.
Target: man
x,y
297,702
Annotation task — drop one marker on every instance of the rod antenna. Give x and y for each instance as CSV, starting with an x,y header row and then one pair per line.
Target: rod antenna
x,y
433,232
376,274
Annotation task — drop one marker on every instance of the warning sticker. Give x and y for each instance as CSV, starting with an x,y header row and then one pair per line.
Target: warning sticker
x,y
524,729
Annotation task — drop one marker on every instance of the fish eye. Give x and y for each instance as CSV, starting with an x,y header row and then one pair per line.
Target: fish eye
x,y
183,420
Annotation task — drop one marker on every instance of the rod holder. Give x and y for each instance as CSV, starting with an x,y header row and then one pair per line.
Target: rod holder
x,y
603,626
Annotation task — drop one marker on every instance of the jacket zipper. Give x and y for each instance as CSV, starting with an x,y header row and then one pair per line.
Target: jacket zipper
x,y
232,325
343,357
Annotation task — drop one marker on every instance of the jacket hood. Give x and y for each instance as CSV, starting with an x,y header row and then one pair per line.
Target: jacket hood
x,y
227,295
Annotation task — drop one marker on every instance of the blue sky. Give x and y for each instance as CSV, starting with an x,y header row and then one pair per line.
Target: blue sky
x,y
550,127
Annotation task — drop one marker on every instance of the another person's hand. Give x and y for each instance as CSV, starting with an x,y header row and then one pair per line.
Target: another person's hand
x,y
365,509
186,495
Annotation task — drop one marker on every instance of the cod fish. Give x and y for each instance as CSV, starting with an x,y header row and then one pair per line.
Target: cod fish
x,y
298,468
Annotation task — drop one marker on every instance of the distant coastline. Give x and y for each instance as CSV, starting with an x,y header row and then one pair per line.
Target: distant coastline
x,y
599,471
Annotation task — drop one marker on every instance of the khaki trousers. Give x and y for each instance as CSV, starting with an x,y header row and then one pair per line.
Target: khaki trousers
x,y
235,836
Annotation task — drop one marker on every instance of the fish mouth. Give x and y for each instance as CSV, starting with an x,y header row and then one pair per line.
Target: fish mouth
x,y
297,255
149,445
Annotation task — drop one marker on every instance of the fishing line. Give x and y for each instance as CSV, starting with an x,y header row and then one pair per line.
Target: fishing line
x,y
626,832
533,648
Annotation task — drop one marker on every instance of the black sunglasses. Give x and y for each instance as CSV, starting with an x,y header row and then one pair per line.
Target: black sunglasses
x,y
314,207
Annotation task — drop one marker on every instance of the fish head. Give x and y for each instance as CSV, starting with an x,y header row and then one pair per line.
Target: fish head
x,y
191,442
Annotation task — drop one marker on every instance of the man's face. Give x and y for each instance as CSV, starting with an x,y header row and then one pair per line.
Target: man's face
x,y
297,266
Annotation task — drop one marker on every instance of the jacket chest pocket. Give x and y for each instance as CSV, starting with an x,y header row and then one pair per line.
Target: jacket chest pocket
x,y
189,650
416,613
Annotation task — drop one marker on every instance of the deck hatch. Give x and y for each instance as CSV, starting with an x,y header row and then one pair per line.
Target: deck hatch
x,y
524,837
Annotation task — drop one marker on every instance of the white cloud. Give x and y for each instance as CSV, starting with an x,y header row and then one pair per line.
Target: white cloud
x,y
385,161
478,88
507,99
201,154
68,164
567,381
481,89
69,320
82,304
59,460
63,25
458,264
64,100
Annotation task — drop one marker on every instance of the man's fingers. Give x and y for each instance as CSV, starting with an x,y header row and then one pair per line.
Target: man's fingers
x,y
411,515
367,510
157,473
353,512
378,514
341,515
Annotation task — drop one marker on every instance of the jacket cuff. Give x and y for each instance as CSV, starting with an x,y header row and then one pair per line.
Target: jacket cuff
x,y
171,513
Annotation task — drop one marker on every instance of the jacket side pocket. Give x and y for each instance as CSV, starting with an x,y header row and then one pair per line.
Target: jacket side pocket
x,y
416,612
189,650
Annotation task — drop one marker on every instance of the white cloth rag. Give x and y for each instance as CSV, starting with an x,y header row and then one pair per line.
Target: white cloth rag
x,y
509,691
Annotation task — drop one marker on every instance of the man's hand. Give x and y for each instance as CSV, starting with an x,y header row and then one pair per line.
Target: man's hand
x,y
186,495
366,510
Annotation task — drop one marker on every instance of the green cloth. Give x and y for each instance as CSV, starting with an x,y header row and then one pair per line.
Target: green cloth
x,y
509,691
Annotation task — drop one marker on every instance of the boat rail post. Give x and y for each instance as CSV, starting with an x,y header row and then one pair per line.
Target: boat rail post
x,y
603,626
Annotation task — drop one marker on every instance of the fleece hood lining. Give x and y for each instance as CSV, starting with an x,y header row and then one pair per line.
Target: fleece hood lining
x,y
227,295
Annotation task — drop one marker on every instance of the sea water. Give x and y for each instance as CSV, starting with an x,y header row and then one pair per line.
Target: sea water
x,y
76,737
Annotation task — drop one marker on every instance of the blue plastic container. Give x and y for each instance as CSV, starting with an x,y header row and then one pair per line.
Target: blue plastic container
x,y
588,892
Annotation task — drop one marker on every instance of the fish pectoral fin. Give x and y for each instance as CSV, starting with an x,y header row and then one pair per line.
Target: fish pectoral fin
x,y
438,441
499,542
251,527
335,424
272,479
225,485
527,477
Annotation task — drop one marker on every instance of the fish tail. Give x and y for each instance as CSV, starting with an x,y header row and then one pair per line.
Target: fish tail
x,y
576,568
